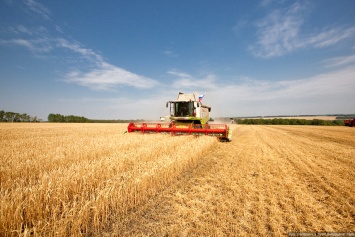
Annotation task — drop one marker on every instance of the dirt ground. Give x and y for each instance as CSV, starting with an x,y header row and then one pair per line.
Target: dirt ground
x,y
269,181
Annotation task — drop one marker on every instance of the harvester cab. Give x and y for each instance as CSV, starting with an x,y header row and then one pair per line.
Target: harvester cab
x,y
188,109
188,116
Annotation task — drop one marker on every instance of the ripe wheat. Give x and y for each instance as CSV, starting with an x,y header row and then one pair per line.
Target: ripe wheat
x,y
69,180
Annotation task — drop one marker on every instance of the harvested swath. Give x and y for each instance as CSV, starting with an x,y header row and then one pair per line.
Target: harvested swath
x,y
70,179
269,181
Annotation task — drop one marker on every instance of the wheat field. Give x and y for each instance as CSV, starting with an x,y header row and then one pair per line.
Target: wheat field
x,y
71,180
95,180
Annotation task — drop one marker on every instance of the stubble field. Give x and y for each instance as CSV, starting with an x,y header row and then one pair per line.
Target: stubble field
x,y
94,180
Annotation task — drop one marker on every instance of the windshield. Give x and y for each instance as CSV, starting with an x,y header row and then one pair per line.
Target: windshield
x,y
183,109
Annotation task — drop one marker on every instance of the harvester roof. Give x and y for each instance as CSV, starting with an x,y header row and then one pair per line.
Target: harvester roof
x,y
182,97
187,97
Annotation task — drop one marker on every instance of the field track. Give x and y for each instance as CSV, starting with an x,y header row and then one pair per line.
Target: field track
x,y
94,180
269,181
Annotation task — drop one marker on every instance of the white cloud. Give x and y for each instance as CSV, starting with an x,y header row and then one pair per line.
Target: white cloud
x,y
268,97
185,81
318,94
78,48
241,24
329,37
327,85
95,73
38,8
277,33
265,3
23,29
151,107
170,53
106,77
46,44
35,45
325,93
340,61
103,76
59,29
280,33
179,74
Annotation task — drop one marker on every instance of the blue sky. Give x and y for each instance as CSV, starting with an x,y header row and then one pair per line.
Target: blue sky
x,y
125,59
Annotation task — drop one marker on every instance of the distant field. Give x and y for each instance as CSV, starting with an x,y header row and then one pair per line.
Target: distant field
x,y
94,180
305,117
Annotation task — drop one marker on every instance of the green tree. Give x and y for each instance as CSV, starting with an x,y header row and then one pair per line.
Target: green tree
x,y
2,115
9,116
58,118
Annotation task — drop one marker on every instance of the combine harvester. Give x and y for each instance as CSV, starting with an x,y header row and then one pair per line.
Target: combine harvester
x,y
188,116
349,122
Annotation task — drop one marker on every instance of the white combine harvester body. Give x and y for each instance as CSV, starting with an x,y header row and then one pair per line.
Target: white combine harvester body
x,y
188,108
188,116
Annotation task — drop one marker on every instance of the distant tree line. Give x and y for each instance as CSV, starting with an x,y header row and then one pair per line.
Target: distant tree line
x,y
58,118
348,116
16,117
281,121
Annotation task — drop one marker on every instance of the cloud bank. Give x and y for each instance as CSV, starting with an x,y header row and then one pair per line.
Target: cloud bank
x,y
280,33
100,76
107,77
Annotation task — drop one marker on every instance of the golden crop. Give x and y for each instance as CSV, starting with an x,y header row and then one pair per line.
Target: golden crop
x,y
94,180
70,179
269,181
